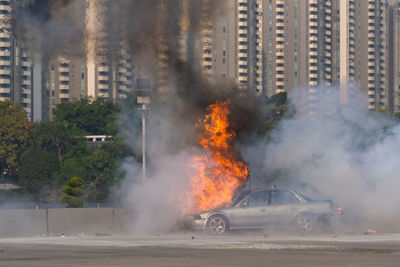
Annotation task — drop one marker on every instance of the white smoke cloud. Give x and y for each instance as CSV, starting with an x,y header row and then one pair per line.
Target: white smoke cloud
x,y
349,155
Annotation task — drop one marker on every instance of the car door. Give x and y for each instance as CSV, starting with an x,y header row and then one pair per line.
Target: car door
x,y
251,211
283,206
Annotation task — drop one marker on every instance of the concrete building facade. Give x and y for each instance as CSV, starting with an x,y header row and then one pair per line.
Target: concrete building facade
x,y
394,55
231,43
16,67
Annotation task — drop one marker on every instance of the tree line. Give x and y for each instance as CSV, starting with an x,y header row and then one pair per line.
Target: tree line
x,y
42,157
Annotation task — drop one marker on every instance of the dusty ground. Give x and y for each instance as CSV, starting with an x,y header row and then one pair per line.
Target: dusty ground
x,y
187,249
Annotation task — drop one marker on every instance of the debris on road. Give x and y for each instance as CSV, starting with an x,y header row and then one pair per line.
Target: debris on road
x,y
370,231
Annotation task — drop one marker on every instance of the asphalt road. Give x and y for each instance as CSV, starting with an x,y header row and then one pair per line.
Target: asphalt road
x,y
197,250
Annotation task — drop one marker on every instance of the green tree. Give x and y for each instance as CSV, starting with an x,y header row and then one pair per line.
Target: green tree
x,y
58,137
72,193
60,144
277,107
39,164
104,172
35,174
15,133
97,117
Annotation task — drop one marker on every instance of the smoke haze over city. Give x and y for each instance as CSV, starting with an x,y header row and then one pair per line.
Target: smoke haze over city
x,y
341,151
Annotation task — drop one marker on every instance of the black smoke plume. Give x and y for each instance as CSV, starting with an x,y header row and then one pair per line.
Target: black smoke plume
x,y
57,27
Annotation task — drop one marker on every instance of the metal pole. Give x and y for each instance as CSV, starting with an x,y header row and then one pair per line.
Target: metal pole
x,y
144,145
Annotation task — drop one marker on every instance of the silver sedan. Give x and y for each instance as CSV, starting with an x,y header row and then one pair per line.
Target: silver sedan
x,y
263,208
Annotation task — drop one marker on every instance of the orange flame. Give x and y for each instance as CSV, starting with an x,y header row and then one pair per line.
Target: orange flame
x,y
216,172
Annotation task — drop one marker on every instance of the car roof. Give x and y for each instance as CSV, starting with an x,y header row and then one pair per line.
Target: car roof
x,y
274,187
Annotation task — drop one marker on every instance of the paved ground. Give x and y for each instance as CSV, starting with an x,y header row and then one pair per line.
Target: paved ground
x,y
186,249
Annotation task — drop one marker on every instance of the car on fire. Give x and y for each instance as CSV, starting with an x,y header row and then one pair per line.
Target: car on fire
x,y
263,208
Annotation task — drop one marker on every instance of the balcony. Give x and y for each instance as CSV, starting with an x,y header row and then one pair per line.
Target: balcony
x,y
64,87
5,81
280,9
64,78
5,72
63,69
25,63
280,31
206,63
102,68
5,44
280,83
65,96
26,100
103,86
24,82
5,53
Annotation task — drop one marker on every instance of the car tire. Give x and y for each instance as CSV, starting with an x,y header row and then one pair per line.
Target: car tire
x,y
217,225
304,223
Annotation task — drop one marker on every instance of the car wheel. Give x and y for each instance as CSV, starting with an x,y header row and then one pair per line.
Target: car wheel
x,y
217,225
304,223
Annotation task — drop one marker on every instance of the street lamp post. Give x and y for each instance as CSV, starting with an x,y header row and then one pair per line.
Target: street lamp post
x,y
144,101
143,144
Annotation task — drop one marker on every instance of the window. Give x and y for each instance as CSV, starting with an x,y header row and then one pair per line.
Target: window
x,y
283,197
258,199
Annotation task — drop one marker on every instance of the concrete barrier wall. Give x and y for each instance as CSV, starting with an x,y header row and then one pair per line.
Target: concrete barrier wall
x,y
123,221
23,223
88,221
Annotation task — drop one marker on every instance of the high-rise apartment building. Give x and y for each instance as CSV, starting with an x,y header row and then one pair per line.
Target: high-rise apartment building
x,y
284,31
367,61
231,43
394,56
328,42
109,68
277,45
65,80
16,68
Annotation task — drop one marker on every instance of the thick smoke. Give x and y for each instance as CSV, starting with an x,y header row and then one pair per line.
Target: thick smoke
x,y
172,137
49,28
149,29
349,155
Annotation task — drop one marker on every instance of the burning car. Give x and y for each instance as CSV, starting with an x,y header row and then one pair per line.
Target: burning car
x,y
262,208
